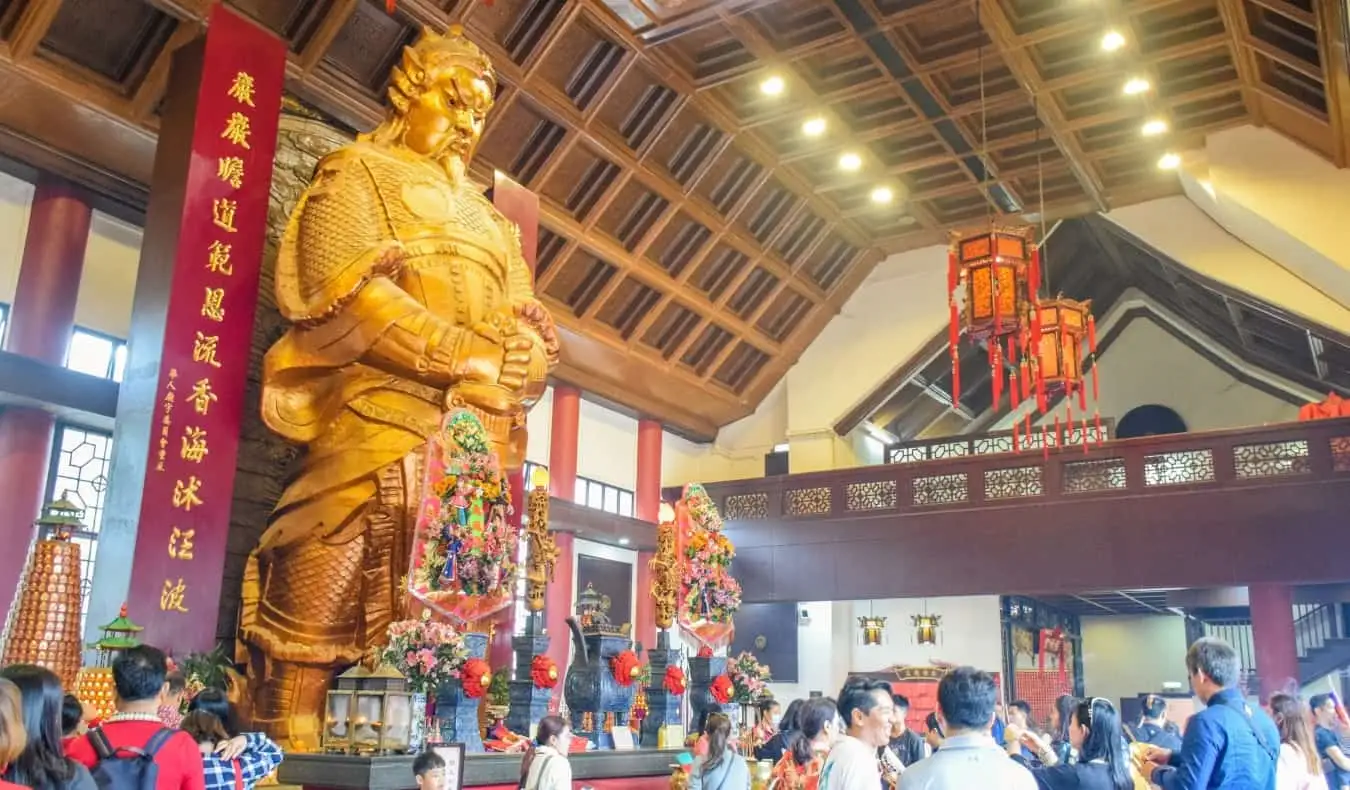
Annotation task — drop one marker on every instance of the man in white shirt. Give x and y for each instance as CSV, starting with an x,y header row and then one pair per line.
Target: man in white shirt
x,y
866,708
969,758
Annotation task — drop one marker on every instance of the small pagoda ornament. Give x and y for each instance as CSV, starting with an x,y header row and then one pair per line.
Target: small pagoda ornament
x,y
94,686
44,623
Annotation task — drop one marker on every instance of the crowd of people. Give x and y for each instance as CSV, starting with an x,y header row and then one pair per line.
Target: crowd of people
x,y
49,740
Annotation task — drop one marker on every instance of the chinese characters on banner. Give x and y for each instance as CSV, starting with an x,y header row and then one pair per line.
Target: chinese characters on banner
x,y
189,485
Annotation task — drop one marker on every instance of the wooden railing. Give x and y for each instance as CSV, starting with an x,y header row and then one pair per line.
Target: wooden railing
x,y
1290,453
996,442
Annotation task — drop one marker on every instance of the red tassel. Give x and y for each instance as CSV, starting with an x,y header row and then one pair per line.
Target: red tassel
x,y
996,371
1085,436
389,5
953,272
956,378
1092,333
1045,445
1094,378
1028,431
1068,407
1026,380
1097,421
1042,403
1082,397
1012,389
953,325
1034,273
1016,447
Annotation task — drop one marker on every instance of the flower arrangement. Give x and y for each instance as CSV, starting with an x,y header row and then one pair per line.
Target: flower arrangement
x,y
428,653
675,682
476,677
544,672
721,689
748,678
464,554
708,590
626,668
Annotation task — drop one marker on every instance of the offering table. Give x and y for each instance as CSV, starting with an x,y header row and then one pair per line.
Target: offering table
x,y
645,769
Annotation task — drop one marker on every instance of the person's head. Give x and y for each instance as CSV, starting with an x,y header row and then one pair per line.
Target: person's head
x,y
1292,721
72,715
718,730
440,94
1019,713
217,703
769,710
204,727
13,737
817,720
898,724
43,762
175,685
933,733
789,721
865,706
966,700
1155,709
1060,716
1212,665
138,677
429,771
1095,732
553,732
1323,709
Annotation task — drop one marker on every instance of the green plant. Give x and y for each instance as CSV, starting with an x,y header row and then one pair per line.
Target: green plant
x,y
499,690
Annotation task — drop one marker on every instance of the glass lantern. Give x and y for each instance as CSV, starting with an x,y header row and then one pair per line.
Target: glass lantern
x,y
369,712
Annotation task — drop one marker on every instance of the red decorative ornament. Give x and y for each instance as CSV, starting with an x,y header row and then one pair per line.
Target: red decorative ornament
x,y
476,676
705,652
544,672
625,667
997,271
1054,644
721,689
674,682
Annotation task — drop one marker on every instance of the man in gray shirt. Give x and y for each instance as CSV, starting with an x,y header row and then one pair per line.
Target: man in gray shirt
x,y
969,758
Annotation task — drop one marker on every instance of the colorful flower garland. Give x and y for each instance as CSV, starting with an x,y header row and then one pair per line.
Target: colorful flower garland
x,y
710,592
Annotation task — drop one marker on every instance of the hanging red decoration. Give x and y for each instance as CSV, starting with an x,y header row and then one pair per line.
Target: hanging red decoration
x,y
721,689
1054,644
626,668
990,283
705,652
476,676
544,672
1065,327
674,682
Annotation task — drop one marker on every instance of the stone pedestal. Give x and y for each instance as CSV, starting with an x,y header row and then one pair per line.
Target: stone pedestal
x,y
457,714
592,693
529,703
701,674
662,707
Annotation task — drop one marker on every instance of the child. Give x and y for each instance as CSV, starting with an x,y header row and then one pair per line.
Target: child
x,y
429,769
73,723
171,701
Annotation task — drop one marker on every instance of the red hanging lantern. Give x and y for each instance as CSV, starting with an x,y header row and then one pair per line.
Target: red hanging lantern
x,y
1059,357
991,270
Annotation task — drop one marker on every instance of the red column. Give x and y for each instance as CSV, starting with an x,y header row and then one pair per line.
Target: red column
x,y
40,327
557,608
648,495
562,451
1272,607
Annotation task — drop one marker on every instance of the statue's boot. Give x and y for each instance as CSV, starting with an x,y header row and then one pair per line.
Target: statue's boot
x,y
289,701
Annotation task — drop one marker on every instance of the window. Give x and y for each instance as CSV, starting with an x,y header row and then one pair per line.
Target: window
x,y
602,496
97,354
81,458
4,322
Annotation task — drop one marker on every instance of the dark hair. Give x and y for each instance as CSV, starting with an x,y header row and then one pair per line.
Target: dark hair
x,y
204,727
547,729
967,697
1023,706
933,725
718,731
1216,658
72,713
138,673
43,763
860,694
1104,740
767,704
901,701
177,682
1318,701
813,717
216,703
1064,706
426,762
1154,706
1292,722
12,734
789,721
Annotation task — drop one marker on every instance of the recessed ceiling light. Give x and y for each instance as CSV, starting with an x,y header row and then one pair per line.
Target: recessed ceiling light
x,y
1154,127
1112,41
850,162
1169,161
1135,86
772,86
814,126
882,195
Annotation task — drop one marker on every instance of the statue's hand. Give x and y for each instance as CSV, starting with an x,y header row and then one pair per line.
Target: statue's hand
x,y
483,356
537,317
515,370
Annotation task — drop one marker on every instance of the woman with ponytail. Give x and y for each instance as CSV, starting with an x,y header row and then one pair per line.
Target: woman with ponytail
x,y
722,768
809,743
545,766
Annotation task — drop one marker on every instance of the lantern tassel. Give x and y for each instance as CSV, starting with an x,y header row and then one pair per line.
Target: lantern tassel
x,y
1034,273
1045,445
1082,396
996,371
1012,390
1042,403
389,5
1097,421
1085,435
1016,447
1092,333
1058,440
1094,378
956,378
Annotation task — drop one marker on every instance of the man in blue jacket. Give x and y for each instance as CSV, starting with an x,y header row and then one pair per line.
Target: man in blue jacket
x,y
1229,745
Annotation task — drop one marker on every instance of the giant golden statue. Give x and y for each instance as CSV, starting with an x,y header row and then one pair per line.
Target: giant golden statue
x,y
408,296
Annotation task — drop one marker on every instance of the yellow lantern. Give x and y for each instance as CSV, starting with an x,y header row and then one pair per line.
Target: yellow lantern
x,y
926,628
872,629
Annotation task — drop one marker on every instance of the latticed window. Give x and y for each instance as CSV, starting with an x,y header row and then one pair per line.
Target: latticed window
x,y
81,460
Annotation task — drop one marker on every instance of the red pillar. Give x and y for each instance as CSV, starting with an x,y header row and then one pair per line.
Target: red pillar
x,y
562,452
558,607
40,326
648,495
1272,607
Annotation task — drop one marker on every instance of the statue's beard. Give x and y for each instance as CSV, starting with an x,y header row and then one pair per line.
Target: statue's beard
x,y
460,147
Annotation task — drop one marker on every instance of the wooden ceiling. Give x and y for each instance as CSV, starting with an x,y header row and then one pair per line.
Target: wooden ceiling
x,y
695,240
1093,258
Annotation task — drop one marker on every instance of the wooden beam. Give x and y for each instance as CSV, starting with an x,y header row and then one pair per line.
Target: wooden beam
x,y
1334,52
1235,22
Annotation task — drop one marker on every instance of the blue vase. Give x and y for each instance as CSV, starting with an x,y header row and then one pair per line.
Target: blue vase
x,y
418,734
456,714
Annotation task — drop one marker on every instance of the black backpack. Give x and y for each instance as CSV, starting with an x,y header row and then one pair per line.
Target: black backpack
x,y
127,768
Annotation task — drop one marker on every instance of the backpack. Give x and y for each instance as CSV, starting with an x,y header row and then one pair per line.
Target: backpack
x,y
126,768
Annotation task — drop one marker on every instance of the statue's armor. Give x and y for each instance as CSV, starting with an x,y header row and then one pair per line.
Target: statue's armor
x,y
385,269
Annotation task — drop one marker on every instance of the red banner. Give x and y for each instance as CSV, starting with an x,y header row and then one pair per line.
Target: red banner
x,y
189,480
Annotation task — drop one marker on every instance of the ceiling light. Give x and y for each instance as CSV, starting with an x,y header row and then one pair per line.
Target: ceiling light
x,y
772,86
850,162
1135,86
1154,127
1112,41
882,195
1169,161
814,127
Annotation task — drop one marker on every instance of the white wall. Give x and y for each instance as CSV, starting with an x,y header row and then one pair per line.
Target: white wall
x,y
1128,656
16,197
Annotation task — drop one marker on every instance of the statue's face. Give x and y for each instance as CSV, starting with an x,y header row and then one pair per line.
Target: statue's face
x,y
447,118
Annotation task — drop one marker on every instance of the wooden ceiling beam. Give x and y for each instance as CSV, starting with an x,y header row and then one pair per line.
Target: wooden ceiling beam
x,y
1334,52
1235,24
151,90
31,27
325,33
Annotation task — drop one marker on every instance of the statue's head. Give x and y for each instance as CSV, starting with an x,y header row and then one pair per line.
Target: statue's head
x,y
441,92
